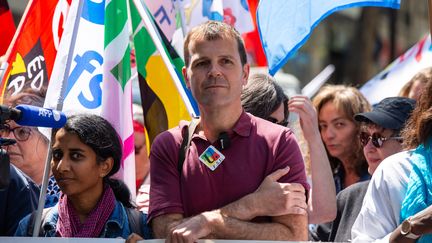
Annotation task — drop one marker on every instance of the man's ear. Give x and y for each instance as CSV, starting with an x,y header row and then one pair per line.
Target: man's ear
x,y
245,75
184,71
106,166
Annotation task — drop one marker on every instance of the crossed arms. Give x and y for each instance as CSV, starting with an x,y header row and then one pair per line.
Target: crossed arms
x,y
284,202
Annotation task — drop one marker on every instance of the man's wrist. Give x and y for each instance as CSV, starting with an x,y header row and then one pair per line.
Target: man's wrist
x,y
214,219
243,209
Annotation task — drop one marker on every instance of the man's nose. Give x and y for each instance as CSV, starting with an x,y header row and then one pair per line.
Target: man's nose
x,y
215,71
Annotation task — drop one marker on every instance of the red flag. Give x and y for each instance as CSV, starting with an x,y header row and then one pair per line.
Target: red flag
x,y
8,26
31,55
252,39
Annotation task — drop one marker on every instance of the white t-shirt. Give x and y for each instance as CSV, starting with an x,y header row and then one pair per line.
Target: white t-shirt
x,y
380,213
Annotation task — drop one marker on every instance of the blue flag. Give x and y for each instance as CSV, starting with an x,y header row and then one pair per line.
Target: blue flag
x,y
285,25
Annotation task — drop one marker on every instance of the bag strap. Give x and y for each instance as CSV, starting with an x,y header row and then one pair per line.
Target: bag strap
x,y
32,222
134,218
187,137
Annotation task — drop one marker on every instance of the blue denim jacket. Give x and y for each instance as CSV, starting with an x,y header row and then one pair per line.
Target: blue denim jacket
x,y
116,226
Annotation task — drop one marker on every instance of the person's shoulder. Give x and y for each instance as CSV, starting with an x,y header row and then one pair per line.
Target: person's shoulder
x,y
20,180
396,162
354,190
268,128
173,134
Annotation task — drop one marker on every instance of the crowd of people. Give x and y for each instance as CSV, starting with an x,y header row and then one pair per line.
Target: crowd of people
x,y
237,171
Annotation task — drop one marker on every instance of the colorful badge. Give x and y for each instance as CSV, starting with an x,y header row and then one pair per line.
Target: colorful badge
x,y
211,157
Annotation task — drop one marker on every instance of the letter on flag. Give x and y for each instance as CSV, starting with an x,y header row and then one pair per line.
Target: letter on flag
x,y
31,56
162,104
285,25
94,62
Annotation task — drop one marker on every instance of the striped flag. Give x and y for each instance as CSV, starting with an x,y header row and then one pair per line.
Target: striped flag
x,y
92,71
116,85
162,104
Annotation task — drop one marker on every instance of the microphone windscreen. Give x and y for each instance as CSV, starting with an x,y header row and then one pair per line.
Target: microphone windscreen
x,y
40,117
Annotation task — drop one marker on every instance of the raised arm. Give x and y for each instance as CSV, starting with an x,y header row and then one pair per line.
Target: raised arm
x,y
322,199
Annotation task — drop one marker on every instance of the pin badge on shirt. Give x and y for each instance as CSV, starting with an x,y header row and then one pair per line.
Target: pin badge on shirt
x,y
211,157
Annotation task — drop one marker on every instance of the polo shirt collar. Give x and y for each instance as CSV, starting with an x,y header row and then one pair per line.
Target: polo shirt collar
x,y
243,125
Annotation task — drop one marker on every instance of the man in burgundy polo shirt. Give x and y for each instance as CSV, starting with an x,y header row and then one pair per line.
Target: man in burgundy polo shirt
x,y
231,190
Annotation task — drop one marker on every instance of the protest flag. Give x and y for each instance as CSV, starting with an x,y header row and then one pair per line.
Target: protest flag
x,y
8,26
285,25
117,85
252,40
31,55
390,81
92,72
165,97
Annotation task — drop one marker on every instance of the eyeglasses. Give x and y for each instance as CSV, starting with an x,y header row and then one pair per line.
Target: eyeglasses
x,y
377,139
282,123
21,133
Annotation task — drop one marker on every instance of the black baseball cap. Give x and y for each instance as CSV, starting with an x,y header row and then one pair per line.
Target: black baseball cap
x,y
390,113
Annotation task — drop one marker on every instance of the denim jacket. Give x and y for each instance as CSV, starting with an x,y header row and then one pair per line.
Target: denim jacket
x,y
116,226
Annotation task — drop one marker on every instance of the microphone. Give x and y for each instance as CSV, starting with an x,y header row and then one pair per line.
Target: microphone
x,y
33,116
7,141
224,140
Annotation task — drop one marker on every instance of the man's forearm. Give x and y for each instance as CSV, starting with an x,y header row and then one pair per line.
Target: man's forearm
x,y
225,227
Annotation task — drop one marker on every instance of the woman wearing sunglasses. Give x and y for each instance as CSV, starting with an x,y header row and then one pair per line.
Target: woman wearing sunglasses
x,y
399,198
380,138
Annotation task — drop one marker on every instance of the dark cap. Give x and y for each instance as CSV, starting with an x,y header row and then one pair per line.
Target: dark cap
x,y
389,113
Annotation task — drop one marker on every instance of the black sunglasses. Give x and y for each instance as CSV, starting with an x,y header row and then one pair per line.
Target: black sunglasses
x,y
377,139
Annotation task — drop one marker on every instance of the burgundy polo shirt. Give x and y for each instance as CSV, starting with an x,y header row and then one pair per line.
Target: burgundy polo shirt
x,y
258,148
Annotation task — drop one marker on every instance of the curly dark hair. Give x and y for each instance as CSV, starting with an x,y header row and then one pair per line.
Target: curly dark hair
x,y
418,128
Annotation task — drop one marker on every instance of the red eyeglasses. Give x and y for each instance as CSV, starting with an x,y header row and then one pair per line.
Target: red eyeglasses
x,y
377,139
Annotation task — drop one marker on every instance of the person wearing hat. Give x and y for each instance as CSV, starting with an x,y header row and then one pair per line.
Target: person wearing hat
x,y
380,137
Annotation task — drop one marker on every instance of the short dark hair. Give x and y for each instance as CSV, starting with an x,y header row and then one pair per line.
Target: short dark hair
x,y
262,96
214,30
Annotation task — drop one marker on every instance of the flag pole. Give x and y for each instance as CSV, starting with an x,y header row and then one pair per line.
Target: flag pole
x,y
158,43
59,106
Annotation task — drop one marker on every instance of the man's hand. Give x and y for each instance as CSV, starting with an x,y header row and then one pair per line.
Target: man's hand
x,y
275,199
133,238
192,229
